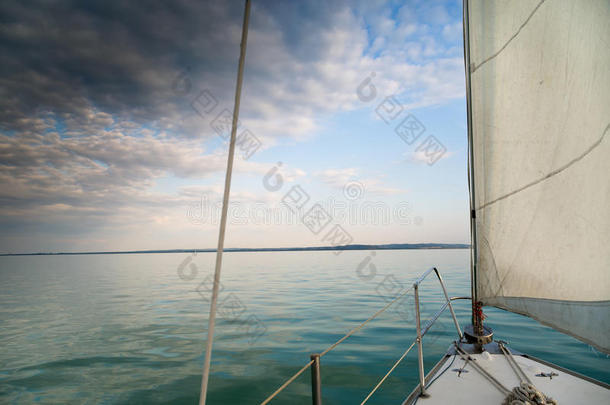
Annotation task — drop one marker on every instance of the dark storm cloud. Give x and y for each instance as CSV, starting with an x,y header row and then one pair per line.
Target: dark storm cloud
x,y
121,57
87,108
118,57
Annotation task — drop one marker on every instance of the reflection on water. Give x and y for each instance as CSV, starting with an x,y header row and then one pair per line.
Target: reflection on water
x,y
131,328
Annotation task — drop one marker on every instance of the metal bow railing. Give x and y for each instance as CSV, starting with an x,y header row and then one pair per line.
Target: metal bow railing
x,y
314,363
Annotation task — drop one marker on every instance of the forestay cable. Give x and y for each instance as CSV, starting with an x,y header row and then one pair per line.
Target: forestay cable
x,y
225,206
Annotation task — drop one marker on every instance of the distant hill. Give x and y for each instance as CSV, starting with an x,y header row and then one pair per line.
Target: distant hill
x,y
391,246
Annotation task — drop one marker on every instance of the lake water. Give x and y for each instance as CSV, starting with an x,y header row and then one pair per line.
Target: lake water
x,y
131,328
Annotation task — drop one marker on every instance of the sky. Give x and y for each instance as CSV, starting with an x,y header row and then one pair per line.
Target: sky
x,y
113,130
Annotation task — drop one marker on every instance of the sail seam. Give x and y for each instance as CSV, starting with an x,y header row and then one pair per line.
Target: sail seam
x,y
474,68
551,174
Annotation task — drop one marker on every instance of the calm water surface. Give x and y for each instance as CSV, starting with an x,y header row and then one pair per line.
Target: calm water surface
x,y
131,328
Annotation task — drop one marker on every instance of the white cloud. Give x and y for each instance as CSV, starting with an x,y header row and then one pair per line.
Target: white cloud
x,y
348,177
286,94
420,157
337,177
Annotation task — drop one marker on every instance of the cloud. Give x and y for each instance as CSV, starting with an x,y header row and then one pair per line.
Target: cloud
x,y
92,112
345,178
71,57
337,177
420,157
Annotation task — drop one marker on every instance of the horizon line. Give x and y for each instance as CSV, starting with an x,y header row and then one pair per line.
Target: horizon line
x,y
386,246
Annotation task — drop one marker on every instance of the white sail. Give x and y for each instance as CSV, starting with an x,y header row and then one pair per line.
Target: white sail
x,y
540,97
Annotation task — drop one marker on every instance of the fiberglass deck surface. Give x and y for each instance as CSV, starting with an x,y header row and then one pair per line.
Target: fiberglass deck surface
x,y
471,387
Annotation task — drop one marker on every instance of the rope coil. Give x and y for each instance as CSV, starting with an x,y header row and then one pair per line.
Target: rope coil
x,y
524,394
527,394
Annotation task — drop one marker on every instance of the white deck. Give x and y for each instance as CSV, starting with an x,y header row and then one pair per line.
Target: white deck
x,y
471,387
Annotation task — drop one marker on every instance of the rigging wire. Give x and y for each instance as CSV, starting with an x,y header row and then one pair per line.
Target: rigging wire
x,y
471,179
388,373
225,206
357,328
287,383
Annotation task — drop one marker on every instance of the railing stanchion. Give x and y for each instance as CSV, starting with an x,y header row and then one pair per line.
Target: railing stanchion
x,y
420,350
316,382
455,321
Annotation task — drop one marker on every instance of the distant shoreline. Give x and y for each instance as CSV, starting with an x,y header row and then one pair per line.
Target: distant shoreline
x,y
394,246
